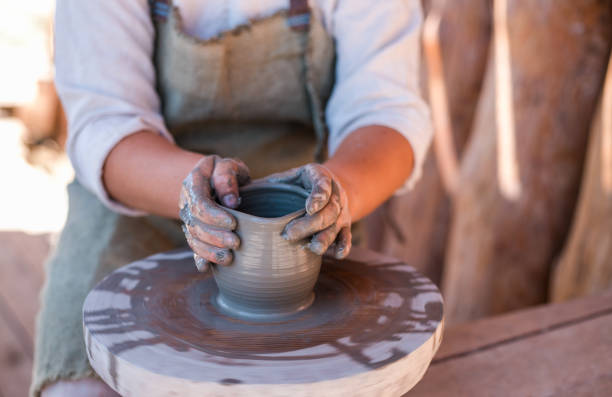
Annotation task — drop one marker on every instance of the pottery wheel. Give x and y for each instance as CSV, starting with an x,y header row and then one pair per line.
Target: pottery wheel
x,y
152,328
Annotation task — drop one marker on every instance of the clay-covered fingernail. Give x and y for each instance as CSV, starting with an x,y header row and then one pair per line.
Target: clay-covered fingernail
x,y
226,221
289,233
232,241
230,200
293,230
224,257
341,251
317,247
222,218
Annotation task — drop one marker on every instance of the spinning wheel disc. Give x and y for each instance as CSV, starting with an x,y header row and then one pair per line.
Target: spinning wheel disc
x,y
154,328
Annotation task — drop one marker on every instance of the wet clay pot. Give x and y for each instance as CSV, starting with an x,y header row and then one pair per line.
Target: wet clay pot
x,y
270,277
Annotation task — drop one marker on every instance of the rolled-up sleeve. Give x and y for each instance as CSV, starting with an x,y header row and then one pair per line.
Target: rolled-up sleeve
x,y
106,81
377,74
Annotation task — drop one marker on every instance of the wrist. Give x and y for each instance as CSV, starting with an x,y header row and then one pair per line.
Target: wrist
x,y
145,171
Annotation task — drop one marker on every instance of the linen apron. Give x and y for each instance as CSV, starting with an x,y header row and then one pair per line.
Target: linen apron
x,y
256,93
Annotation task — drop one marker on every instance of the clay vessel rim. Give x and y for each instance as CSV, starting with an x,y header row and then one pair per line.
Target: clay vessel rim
x,y
271,186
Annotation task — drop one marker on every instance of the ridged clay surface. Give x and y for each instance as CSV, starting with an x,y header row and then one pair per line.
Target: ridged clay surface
x,y
269,277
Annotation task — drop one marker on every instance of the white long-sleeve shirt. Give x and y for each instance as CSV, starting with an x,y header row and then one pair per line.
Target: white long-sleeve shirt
x,y
105,75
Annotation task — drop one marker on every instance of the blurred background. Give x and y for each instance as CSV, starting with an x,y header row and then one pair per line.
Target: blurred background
x,y
514,208
34,172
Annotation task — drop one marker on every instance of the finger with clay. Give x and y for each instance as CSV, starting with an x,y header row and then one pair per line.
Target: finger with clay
x,y
327,222
207,226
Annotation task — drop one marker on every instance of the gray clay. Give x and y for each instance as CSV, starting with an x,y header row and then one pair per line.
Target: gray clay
x,y
269,277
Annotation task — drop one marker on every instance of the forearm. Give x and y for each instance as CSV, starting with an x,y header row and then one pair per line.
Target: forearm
x,y
371,164
145,171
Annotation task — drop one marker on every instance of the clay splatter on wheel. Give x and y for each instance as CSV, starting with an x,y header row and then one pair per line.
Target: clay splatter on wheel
x,y
153,328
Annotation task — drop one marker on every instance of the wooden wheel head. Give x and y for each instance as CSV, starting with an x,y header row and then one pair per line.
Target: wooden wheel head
x,y
153,327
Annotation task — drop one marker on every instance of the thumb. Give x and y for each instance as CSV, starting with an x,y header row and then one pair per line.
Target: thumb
x,y
227,176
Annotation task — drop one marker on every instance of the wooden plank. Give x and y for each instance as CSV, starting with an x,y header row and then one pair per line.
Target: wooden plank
x,y
576,358
559,350
15,362
22,274
464,338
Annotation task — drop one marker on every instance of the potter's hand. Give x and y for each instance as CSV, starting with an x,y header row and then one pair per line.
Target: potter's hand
x,y
327,217
208,227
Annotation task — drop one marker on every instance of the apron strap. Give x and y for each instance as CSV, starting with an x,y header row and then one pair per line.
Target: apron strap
x,y
299,15
298,19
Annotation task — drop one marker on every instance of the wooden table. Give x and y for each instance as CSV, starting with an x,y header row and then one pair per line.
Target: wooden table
x,y
552,350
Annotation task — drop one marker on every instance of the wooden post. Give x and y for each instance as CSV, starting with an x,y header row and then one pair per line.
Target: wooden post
x,y
585,266
520,173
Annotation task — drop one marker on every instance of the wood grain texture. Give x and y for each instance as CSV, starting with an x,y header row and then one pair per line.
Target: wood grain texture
x,y
21,278
467,338
414,227
521,170
585,266
15,362
465,34
554,350
22,274
152,328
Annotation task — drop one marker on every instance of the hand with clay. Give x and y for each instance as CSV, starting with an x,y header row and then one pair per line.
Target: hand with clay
x,y
208,227
327,221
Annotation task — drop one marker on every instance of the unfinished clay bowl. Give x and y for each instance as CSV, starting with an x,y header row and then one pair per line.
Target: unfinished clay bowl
x,y
269,277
